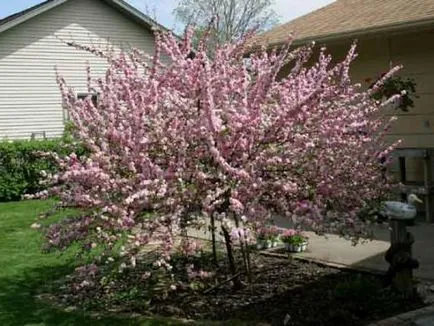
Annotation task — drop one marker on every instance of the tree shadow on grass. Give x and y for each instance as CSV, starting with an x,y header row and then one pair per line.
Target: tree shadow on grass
x,y
20,304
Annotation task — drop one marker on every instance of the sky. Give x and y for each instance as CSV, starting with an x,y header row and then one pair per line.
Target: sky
x,y
286,9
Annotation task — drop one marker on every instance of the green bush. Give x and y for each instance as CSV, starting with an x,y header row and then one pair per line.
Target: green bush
x,y
21,166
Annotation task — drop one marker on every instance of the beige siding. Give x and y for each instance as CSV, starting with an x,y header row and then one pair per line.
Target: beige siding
x,y
415,52
29,96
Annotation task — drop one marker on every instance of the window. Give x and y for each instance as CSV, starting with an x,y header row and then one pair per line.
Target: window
x,y
94,97
80,96
38,135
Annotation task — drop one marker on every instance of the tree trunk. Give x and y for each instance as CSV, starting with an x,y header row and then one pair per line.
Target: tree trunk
x,y
232,267
213,240
244,252
248,263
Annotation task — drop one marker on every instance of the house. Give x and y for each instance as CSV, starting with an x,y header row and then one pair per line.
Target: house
x,y
33,42
389,32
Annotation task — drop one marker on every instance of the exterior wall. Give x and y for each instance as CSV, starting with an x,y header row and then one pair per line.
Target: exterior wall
x,y
29,96
415,51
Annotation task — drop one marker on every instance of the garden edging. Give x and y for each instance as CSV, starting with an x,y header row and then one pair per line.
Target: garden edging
x,y
360,269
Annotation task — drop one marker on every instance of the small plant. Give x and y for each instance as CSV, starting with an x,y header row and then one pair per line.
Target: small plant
x,y
267,237
268,233
293,240
292,236
396,85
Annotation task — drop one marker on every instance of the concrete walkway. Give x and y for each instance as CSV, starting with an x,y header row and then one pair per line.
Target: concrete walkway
x,y
369,255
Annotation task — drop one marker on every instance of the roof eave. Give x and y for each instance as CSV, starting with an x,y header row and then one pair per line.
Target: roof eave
x,y
121,5
31,14
363,32
138,15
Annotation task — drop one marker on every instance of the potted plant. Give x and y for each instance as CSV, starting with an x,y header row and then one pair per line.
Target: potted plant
x,y
395,85
273,235
267,237
294,241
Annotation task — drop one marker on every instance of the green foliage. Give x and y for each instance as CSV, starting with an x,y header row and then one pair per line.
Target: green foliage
x,y
21,165
397,85
68,132
297,240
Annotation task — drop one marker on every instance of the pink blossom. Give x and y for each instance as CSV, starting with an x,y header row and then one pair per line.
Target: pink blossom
x,y
289,233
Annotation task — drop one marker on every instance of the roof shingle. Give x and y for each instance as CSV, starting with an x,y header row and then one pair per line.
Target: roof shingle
x,y
349,16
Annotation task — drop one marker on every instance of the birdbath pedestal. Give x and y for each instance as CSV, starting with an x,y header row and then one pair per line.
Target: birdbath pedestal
x,y
399,255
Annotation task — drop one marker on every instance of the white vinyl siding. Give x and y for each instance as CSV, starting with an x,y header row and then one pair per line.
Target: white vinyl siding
x,y
29,95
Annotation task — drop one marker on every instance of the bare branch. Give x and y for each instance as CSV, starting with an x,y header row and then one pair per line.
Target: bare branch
x,y
234,18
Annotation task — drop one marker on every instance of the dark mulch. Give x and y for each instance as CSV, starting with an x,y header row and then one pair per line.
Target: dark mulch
x,y
308,293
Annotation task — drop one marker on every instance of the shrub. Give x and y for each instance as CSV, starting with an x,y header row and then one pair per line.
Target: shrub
x,y
21,166
212,137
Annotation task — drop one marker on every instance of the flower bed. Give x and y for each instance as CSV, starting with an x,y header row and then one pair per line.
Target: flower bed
x,y
308,293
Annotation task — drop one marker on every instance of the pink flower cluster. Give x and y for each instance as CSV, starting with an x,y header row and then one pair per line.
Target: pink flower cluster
x,y
190,247
85,278
201,274
289,233
267,233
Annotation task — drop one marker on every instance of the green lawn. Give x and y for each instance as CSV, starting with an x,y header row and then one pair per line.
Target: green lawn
x,y
25,271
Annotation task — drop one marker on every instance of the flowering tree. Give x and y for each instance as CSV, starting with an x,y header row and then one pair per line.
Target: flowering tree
x,y
219,137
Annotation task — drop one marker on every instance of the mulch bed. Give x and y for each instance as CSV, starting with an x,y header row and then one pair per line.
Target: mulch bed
x,y
304,293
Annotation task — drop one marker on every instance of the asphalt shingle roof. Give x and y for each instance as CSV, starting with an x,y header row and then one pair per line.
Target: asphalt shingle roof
x,y
347,16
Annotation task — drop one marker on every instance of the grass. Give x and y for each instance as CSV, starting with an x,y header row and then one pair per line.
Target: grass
x,y
25,271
